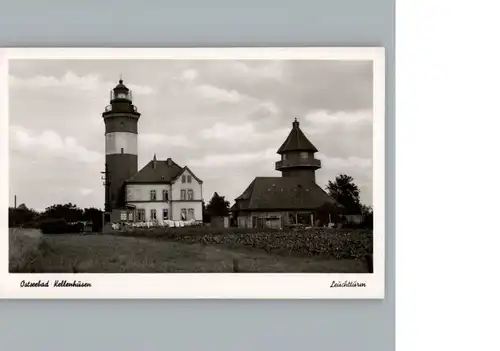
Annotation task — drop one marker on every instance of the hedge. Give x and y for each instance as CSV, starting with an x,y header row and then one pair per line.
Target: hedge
x,y
60,226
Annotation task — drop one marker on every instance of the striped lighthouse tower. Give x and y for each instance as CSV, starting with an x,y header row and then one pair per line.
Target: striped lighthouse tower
x,y
120,119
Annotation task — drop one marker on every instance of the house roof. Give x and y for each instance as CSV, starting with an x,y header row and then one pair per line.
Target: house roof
x,y
157,172
296,141
186,168
281,193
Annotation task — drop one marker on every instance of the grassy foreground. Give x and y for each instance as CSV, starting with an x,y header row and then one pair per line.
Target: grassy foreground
x,y
337,244
25,247
68,253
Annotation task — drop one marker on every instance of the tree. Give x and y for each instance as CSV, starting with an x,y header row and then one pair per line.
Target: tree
x,y
22,215
367,212
206,216
91,214
217,206
346,193
327,212
69,212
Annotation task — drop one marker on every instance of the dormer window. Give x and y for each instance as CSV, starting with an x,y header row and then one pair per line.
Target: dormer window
x,y
283,157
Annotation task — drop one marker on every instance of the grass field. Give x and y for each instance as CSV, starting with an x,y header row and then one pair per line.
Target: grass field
x,y
24,248
75,253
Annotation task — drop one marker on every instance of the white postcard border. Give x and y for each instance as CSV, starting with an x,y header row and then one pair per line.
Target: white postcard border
x,y
207,285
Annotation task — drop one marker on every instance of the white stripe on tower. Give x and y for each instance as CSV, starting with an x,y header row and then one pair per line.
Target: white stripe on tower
x,y
121,143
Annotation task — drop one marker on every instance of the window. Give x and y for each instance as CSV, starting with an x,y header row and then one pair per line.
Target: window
x,y
183,178
141,215
153,215
304,155
165,195
191,213
123,215
190,194
152,195
189,178
183,214
183,194
165,213
283,157
130,216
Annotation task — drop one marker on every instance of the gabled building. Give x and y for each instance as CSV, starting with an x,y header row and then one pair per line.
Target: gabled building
x,y
161,190
289,199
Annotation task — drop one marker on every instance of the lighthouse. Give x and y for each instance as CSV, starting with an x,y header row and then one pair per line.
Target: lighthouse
x,y
121,121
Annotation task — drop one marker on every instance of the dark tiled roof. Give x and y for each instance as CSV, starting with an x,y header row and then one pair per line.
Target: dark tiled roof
x,y
281,193
296,141
157,172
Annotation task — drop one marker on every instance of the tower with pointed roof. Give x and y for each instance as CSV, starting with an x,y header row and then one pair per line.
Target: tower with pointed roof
x,y
297,156
291,199
121,120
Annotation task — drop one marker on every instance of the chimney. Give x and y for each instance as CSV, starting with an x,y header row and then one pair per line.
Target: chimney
x,y
15,201
154,161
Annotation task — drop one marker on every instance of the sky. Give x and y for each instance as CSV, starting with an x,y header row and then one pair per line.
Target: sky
x,y
224,119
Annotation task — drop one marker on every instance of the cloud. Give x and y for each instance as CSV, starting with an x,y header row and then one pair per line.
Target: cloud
x,y
189,75
221,160
224,131
337,163
86,191
327,118
51,143
241,133
158,139
270,107
70,80
216,94
259,70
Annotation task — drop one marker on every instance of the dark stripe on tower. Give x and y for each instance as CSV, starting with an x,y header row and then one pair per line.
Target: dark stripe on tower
x,y
121,123
121,167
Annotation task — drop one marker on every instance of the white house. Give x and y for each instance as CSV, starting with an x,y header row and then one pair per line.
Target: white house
x,y
162,190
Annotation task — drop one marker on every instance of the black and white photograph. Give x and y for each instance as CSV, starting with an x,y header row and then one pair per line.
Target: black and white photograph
x,y
195,164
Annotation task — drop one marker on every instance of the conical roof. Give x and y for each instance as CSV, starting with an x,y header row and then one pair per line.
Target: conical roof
x,y
121,86
296,141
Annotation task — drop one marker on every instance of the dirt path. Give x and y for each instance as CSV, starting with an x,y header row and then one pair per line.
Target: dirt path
x,y
114,254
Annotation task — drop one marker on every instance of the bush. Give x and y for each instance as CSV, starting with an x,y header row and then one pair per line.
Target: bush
x,y
60,226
